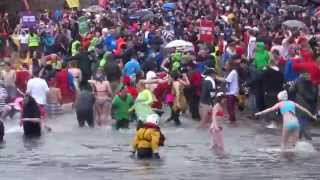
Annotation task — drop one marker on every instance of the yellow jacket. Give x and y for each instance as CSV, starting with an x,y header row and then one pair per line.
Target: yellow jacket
x,y
34,41
147,138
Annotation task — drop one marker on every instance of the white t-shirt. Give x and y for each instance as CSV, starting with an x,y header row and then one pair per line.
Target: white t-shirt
x,y
38,89
24,39
251,47
232,83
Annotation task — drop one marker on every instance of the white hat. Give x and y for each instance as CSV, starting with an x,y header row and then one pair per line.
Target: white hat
x,y
105,30
153,119
282,96
151,75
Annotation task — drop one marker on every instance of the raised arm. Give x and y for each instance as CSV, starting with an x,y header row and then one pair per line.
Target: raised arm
x,y
164,63
305,110
273,108
184,80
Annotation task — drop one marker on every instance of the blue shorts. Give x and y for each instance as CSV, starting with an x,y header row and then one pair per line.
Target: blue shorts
x,y
292,125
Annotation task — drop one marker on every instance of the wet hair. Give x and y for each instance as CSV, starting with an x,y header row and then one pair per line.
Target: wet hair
x,y
219,99
30,108
175,75
276,52
36,73
86,87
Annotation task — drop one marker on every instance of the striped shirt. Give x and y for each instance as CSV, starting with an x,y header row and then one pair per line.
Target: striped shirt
x,y
167,36
3,97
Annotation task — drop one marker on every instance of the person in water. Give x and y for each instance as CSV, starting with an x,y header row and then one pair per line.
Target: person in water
x,y
103,94
121,105
143,103
84,106
291,126
148,139
54,100
215,130
31,117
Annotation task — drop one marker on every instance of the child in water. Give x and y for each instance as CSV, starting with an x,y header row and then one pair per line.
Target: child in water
x,y
54,100
215,130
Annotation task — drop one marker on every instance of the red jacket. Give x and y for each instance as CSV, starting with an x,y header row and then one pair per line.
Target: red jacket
x,y
307,55
196,81
309,67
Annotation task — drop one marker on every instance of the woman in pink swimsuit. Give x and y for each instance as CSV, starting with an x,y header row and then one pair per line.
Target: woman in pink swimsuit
x,y
103,95
215,130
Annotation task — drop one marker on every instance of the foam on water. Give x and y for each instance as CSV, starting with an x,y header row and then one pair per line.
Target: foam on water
x,y
304,147
15,129
301,147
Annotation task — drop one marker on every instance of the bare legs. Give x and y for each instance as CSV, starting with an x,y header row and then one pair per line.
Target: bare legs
x,y
102,113
289,138
217,139
205,115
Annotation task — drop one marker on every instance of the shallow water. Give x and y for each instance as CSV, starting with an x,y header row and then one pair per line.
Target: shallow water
x,y
71,153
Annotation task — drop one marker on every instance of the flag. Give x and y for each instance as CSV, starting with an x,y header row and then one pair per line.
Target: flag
x,y
83,25
206,27
73,3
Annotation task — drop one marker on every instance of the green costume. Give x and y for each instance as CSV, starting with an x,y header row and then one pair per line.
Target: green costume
x,y
121,106
143,103
75,48
261,59
176,60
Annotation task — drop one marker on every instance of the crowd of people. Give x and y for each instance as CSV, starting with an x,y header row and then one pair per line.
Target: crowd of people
x,y
121,69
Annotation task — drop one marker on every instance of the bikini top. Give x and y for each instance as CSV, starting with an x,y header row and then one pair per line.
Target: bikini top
x,y
220,113
288,106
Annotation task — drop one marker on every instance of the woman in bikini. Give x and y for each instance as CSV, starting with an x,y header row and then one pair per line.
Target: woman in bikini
x,y
103,95
215,129
291,124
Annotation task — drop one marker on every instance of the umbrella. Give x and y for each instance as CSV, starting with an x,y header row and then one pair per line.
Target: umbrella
x,y
179,44
95,9
294,23
294,8
169,6
143,15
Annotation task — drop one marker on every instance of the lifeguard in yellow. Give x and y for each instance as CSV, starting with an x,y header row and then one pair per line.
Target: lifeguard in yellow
x,y
148,139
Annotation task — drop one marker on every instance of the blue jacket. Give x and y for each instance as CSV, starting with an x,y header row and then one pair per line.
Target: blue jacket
x,y
110,42
131,67
289,73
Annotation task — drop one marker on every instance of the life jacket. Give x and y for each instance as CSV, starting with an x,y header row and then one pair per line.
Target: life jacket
x,y
75,47
157,128
34,41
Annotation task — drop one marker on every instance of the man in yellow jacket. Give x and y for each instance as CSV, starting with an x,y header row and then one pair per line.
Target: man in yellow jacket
x,y
148,138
